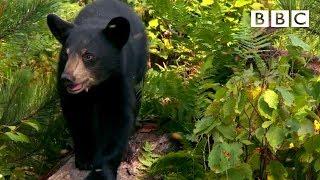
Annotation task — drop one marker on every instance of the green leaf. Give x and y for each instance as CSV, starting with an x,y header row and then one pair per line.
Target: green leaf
x,y
260,134
241,172
264,109
246,142
275,136
306,127
224,156
228,131
312,144
257,6
205,125
33,123
316,165
286,95
296,41
17,137
271,98
275,170
154,23
241,3
266,124
206,2
229,109
12,128
241,102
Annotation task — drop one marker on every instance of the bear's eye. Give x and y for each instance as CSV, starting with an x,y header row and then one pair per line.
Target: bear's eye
x,y
87,57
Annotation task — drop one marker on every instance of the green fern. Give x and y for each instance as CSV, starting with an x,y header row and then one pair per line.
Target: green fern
x,y
251,42
147,157
169,96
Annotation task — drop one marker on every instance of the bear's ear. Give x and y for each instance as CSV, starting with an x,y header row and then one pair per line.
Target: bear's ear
x,y
118,31
59,27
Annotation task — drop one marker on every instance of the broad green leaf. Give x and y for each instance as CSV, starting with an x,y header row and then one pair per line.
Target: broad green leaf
x,y
33,123
276,171
275,136
241,3
154,23
224,156
264,109
296,41
17,137
206,2
241,172
306,127
266,124
271,98
205,125
312,144
228,131
286,95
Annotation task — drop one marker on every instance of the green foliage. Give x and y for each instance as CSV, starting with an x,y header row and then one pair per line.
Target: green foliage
x,y
181,165
32,132
170,97
246,110
253,108
147,157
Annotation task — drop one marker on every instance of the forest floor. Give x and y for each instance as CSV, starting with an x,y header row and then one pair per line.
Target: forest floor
x,y
131,167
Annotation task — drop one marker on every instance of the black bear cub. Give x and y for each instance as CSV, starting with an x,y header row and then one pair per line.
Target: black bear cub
x,y
100,72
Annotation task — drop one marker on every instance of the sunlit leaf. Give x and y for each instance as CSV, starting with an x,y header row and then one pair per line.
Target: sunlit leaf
x,y
257,6
286,95
17,137
275,136
296,41
154,23
206,2
271,98
241,3
266,124
33,123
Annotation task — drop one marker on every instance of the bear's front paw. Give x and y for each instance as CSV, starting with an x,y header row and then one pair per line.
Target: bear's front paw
x,y
83,165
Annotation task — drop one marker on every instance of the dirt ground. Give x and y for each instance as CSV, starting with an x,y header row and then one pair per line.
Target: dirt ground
x,y
129,168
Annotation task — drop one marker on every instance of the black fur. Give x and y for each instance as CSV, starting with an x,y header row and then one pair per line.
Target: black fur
x,y
101,120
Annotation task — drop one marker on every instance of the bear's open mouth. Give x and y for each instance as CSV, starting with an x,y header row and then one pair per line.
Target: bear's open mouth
x,y
75,88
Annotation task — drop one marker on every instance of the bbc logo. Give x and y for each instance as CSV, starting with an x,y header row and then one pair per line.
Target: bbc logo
x,y
280,18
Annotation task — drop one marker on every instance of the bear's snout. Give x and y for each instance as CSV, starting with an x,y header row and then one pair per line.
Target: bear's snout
x,y
66,77
70,84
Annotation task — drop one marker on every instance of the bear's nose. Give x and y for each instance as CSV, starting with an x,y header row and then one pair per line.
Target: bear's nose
x,y
67,77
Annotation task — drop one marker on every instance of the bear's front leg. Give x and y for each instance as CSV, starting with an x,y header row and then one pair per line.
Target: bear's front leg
x,y
83,147
115,123
78,121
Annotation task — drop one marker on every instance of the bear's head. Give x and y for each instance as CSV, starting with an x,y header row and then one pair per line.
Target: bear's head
x,y
93,52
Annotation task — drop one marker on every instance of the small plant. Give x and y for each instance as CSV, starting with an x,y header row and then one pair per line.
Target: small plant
x,y
147,157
